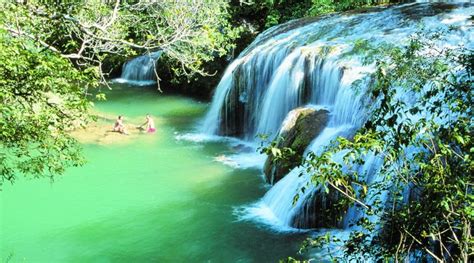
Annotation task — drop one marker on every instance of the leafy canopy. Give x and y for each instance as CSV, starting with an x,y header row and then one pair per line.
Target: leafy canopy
x,y
42,97
93,33
279,11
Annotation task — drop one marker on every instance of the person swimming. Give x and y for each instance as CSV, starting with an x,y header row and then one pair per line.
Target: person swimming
x,y
119,126
149,123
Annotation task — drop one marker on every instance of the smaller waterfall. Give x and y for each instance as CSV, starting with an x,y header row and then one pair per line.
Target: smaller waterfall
x,y
278,208
283,94
369,173
140,70
212,121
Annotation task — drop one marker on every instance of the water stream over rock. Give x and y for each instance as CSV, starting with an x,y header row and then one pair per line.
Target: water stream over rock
x,y
318,61
140,70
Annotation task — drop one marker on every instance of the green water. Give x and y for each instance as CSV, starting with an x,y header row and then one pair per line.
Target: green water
x,y
155,199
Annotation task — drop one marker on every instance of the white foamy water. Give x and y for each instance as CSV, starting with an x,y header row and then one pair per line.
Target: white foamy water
x,y
320,62
140,71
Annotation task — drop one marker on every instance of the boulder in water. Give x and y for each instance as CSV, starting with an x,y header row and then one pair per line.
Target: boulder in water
x,y
300,127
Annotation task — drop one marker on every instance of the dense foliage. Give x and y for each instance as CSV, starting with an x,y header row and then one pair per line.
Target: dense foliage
x,y
42,97
91,33
267,13
421,129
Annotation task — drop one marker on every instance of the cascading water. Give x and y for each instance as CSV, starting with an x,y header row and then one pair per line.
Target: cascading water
x,y
140,70
320,62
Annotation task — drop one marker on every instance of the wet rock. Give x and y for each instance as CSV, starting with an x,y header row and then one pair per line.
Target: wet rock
x,y
234,108
321,210
300,127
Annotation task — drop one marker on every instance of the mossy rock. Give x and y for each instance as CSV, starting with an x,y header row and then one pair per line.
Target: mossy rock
x,y
300,127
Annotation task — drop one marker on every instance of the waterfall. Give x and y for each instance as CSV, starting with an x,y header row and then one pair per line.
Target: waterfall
x,y
140,70
211,123
320,62
277,206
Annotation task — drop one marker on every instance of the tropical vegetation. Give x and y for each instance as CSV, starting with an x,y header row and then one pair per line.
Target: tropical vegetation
x,y
423,207
56,58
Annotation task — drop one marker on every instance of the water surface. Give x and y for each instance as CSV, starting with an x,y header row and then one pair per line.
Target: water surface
x,y
149,199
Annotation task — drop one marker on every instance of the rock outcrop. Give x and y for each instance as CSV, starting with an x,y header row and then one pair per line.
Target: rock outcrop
x,y
300,127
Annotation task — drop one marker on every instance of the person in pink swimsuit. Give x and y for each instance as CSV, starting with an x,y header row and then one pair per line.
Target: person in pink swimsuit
x,y
149,123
